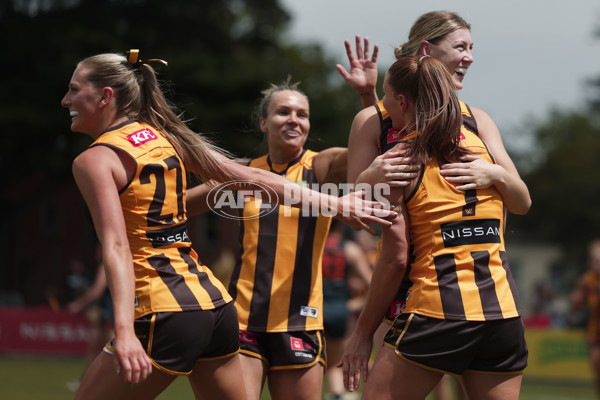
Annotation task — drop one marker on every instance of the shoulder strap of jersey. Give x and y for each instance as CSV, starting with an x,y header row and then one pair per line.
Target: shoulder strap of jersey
x,y
468,119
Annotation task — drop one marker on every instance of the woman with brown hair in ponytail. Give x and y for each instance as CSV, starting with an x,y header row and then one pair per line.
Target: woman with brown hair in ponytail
x,y
462,313
172,316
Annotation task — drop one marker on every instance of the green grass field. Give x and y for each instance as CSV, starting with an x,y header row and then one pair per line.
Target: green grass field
x,y
44,378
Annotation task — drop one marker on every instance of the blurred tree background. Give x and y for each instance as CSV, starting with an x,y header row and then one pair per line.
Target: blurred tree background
x,y
221,55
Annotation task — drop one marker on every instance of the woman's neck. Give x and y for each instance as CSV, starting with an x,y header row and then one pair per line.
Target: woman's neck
x,y
109,122
279,156
117,121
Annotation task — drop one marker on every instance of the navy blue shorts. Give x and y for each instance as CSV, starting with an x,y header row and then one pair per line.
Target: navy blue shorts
x,y
454,347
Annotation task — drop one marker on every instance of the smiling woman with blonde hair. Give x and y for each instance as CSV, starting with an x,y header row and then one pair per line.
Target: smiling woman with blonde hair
x,y
277,280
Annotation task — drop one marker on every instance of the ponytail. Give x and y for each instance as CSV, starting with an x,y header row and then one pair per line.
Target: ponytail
x,y
438,119
427,82
140,98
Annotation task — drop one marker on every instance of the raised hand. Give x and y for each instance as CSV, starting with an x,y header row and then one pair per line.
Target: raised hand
x,y
363,69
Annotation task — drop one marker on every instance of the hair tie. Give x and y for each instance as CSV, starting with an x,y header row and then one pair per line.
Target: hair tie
x,y
421,59
133,57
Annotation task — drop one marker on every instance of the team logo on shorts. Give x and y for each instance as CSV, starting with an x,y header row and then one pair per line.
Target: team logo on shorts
x,y
299,345
296,344
301,349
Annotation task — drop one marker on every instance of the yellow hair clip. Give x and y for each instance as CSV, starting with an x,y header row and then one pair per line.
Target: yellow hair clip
x,y
133,56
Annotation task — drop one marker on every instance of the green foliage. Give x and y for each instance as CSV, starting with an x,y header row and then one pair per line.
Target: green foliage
x,y
221,54
564,182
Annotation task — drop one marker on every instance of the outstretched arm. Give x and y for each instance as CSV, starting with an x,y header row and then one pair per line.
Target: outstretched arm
x,y
351,209
363,71
198,199
331,165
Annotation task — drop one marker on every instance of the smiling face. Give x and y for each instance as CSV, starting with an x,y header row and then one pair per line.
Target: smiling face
x,y
454,50
286,124
84,103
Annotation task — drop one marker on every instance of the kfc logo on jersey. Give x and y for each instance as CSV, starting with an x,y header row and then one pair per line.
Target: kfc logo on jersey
x,y
297,344
138,138
394,135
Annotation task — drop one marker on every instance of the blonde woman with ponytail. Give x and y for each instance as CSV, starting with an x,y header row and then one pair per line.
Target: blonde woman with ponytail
x,y
172,316
462,315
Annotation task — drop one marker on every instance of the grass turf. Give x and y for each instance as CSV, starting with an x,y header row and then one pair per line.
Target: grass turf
x,y
45,378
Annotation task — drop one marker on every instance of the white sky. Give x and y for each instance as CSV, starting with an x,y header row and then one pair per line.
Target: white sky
x,y
530,55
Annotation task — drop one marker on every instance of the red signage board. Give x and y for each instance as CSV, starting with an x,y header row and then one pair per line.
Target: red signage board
x,y
42,331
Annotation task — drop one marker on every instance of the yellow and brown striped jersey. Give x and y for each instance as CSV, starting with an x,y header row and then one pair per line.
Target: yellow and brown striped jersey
x,y
459,269
389,136
591,291
277,281
168,276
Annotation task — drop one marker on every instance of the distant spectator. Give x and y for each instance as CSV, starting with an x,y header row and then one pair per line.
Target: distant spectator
x,y
77,280
587,295
540,317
